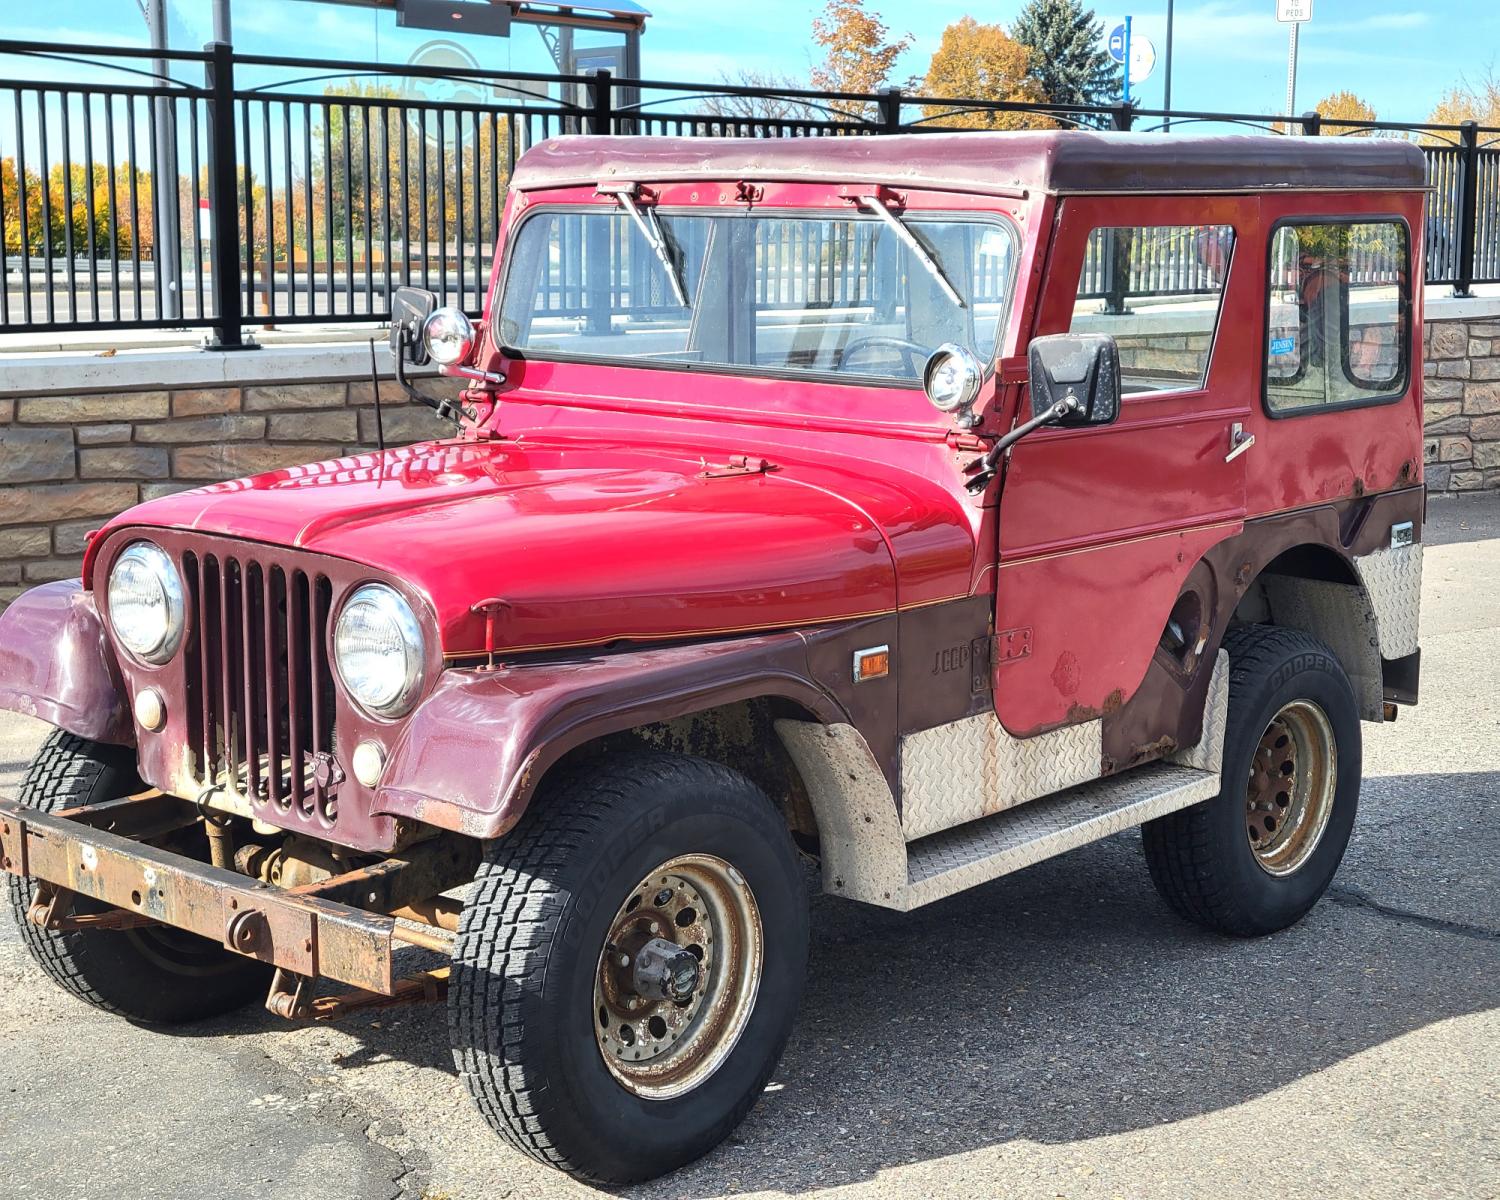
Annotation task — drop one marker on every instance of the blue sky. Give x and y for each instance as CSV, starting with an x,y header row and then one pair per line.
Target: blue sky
x,y
1229,54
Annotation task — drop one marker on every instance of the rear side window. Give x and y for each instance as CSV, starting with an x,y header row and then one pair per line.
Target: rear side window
x,y
1158,290
1337,332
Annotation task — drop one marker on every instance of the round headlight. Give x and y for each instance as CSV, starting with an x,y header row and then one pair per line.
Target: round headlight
x,y
952,378
145,603
377,645
448,336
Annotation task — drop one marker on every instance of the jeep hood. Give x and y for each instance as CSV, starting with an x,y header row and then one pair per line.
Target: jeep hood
x,y
583,543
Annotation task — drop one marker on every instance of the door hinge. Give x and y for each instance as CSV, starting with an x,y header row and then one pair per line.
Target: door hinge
x,y
1010,645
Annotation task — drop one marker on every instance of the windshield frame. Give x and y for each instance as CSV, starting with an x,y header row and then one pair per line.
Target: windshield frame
x,y
919,215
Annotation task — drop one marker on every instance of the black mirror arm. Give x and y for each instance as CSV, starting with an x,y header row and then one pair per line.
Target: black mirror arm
x,y
450,410
986,466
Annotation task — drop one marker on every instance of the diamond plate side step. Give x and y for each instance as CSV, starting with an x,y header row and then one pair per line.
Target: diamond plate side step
x,y
944,863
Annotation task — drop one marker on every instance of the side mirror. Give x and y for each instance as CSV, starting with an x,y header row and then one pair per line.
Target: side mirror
x,y
410,308
1075,377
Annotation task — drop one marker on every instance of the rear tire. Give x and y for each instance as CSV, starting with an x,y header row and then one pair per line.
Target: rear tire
x,y
154,975
1259,855
566,1056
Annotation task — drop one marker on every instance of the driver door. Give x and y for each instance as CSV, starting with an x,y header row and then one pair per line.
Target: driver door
x,y
1100,527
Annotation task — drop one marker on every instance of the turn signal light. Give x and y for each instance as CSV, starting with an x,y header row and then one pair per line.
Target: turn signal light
x,y
874,663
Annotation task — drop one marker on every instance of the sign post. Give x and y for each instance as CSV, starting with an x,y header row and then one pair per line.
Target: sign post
x,y
1293,13
1119,50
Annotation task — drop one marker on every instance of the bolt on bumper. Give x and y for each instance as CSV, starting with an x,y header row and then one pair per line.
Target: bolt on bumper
x,y
303,935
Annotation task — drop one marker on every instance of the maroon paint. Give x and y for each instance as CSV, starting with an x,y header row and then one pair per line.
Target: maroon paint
x,y
470,756
56,664
1007,163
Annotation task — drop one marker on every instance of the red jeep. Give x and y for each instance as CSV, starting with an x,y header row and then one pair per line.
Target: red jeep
x,y
921,506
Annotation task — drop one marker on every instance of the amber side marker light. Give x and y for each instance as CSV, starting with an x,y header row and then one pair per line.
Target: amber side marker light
x,y
874,663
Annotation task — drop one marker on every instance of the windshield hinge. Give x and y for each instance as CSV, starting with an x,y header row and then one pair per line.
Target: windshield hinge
x,y
960,439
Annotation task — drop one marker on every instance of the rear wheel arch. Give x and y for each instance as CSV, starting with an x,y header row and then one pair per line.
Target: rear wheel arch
x,y
1317,590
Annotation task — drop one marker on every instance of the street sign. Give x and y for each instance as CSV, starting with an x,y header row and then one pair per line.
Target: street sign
x,y
1293,12
1117,43
1142,59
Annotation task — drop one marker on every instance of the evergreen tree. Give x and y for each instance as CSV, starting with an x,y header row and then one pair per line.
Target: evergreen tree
x,y
1068,58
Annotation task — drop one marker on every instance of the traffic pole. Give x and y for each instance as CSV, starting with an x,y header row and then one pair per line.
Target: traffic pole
x,y
1291,72
1167,101
1126,95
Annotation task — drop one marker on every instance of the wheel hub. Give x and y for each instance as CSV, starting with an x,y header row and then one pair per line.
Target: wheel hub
x,y
678,976
1293,776
664,971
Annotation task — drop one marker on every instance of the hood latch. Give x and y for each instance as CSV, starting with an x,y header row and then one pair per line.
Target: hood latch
x,y
739,464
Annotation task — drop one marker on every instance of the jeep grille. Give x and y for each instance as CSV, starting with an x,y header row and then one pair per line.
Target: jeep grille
x,y
259,686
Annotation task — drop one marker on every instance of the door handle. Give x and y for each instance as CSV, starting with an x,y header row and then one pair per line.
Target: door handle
x,y
1239,441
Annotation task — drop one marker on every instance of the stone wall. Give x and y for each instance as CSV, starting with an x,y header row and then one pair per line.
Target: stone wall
x,y
1462,397
70,462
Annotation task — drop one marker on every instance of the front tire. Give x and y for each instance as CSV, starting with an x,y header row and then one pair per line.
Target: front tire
x,y
629,968
155,975
1258,856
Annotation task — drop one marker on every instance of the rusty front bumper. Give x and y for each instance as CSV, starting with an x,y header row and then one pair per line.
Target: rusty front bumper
x,y
304,935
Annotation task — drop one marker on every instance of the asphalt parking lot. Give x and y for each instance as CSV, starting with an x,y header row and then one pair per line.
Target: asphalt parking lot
x,y
1054,1033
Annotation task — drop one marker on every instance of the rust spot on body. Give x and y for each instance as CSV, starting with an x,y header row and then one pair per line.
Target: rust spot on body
x,y
1152,751
1066,675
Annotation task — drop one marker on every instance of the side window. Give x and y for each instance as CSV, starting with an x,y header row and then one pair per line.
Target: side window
x,y
1159,290
1337,329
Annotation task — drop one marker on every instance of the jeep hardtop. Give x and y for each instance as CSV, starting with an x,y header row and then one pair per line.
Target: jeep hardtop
x,y
922,507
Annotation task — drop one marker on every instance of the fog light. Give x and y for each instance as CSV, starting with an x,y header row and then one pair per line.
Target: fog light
x,y
368,763
150,709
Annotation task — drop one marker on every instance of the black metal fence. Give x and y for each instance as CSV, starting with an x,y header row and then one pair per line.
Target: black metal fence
x,y
304,191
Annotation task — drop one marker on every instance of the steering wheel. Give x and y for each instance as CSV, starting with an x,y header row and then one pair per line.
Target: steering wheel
x,y
912,353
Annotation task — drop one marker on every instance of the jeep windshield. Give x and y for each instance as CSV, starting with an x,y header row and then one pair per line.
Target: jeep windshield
x,y
849,295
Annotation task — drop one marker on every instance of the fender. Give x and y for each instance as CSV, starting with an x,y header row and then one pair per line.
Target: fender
x,y
470,757
56,664
1367,612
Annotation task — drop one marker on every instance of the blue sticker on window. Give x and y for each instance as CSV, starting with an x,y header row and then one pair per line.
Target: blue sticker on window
x,y
1284,345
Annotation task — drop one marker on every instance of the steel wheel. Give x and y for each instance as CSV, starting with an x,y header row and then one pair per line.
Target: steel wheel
x,y
1293,779
678,976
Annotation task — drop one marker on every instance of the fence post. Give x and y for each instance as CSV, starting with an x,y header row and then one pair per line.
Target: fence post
x,y
1117,247
1312,124
1468,208
224,213
1121,117
890,110
601,112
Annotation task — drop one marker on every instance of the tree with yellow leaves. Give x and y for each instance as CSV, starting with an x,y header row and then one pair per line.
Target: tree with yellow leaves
x,y
1346,106
858,52
981,62
1468,102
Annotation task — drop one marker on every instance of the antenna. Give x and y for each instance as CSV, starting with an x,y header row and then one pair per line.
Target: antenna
x,y
375,389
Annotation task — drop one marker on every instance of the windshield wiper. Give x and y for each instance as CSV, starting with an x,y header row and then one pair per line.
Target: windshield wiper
x,y
908,239
650,227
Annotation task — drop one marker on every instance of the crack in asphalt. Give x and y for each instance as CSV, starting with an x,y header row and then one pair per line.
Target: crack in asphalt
x,y
1350,896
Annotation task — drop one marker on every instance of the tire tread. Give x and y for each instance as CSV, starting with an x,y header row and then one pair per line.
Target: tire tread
x,y
66,771
507,931
1179,847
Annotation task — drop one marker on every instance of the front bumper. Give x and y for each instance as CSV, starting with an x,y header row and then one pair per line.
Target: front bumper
x,y
305,935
